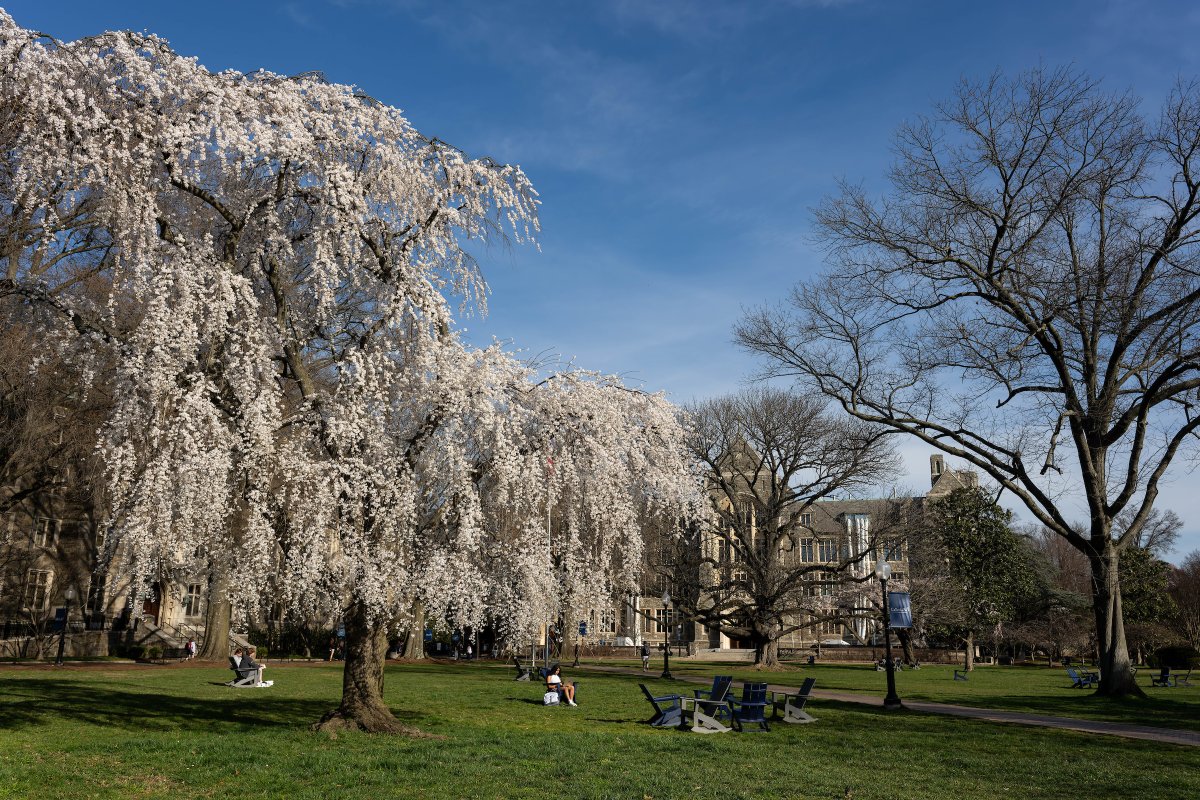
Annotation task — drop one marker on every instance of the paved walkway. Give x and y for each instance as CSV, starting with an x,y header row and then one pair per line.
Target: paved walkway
x,y
1168,735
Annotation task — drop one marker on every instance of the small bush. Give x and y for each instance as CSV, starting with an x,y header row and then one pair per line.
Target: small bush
x,y
1179,656
154,653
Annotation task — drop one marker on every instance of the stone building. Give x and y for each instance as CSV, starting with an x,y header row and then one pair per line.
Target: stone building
x,y
836,530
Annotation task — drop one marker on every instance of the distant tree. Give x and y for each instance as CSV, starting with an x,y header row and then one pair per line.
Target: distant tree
x,y
977,570
1149,608
770,455
1033,276
1185,591
1157,534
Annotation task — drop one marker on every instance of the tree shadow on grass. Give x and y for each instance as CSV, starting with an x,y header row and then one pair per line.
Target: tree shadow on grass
x,y
38,701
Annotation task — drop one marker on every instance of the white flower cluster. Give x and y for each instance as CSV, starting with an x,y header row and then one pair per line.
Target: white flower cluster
x,y
263,264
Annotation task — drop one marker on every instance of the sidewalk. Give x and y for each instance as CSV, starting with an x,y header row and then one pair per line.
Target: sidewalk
x,y
1167,735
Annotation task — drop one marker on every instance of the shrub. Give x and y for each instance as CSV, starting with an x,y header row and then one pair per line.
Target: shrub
x,y
1179,656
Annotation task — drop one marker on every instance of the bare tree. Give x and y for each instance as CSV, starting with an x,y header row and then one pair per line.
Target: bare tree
x,y
1158,532
1185,590
772,455
1034,275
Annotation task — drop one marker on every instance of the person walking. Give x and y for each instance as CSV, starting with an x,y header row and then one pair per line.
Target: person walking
x,y
645,657
190,648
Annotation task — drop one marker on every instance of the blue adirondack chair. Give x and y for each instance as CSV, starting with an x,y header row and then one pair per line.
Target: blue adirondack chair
x,y
668,711
1080,680
752,708
1164,678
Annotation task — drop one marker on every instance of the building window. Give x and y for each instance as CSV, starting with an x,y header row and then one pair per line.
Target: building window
x,y
193,600
662,620
806,550
95,594
893,550
37,589
608,620
727,551
826,550
806,519
45,532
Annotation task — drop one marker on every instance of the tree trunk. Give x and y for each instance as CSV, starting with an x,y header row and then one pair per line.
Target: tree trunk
x,y
1116,673
414,645
215,646
766,653
904,635
362,707
969,657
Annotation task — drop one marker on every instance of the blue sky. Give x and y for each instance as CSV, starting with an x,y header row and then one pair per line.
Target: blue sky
x,y
678,145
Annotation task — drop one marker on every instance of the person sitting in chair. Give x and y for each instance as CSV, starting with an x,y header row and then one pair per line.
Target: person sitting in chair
x,y
249,663
554,683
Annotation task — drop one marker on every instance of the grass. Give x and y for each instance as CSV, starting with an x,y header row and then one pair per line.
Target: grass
x,y
1038,690
173,732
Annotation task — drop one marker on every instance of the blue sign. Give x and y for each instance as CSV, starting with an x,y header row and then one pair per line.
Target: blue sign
x,y
60,618
583,629
900,609
454,638
428,635
341,631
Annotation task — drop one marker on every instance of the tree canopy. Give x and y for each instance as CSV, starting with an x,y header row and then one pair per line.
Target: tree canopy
x,y
268,265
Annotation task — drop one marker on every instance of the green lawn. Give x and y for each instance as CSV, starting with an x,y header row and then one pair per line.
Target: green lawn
x,y
171,732
1039,690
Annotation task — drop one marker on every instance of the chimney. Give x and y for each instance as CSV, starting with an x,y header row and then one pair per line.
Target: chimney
x,y
936,467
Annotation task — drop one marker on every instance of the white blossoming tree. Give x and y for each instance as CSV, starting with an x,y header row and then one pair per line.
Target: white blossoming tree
x,y
271,261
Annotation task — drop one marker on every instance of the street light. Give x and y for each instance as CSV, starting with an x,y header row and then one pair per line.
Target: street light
x,y
69,595
883,571
666,673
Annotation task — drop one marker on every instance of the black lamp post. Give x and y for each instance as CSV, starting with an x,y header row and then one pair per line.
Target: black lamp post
x,y
666,673
883,571
68,595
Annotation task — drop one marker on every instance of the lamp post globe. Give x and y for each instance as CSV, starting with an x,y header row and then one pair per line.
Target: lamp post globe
x,y
666,673
883,571
68,596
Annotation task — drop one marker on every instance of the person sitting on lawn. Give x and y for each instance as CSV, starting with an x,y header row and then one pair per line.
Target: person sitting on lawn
x,y
554,683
